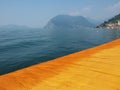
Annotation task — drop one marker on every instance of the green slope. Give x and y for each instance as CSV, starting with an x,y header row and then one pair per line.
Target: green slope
x,y
112,20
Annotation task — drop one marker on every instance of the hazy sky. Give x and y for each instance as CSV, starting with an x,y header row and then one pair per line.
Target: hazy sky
x,y
36,13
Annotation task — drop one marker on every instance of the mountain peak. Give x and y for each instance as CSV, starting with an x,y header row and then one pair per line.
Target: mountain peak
x,y
67,21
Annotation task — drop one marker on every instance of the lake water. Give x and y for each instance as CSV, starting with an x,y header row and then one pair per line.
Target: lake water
x,y
22,48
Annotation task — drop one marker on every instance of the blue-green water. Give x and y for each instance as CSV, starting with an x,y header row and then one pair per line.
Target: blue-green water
x,y
22,48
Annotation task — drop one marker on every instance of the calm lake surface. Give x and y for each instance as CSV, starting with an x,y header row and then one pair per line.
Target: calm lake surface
x,y
22,48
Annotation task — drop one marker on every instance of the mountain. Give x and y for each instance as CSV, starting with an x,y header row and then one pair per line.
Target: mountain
x,y
112,23
67,21
14,27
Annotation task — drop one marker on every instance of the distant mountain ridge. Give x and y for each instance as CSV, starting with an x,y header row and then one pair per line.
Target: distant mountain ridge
x,y
112,23
58,22
12,26
67,21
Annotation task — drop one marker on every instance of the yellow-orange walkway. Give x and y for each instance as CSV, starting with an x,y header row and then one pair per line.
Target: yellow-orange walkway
x,y
92,69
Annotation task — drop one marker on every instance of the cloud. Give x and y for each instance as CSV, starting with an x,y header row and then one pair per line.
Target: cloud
x,y
86,10
83,12
114,9
75,13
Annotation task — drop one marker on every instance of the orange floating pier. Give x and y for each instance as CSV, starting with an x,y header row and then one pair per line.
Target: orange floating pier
x,y
96,68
